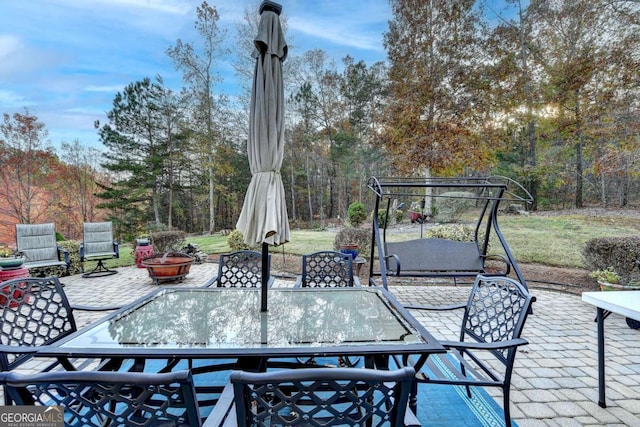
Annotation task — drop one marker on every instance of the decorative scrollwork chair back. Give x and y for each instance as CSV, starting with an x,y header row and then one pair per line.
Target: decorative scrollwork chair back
x,y
327,269
241,269
323,396
97,398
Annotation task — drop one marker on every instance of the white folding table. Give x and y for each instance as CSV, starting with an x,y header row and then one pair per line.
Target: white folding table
x,y
625,303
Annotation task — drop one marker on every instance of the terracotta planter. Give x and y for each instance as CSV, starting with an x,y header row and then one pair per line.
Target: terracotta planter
x,y
168,267
606,286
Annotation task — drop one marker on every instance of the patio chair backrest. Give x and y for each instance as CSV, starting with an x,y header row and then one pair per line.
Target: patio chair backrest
x,y
98,239
34,312
496,311
90,398
37,242
327,269
241,269
322,396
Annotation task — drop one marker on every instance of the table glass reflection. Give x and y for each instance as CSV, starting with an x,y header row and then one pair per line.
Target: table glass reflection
x,y
231,318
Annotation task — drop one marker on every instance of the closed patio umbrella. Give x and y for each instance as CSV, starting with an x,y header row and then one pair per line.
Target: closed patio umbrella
x,y
263,219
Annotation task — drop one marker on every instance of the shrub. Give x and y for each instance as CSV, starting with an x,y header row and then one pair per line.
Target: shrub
x,y
359,236
451,205
399,216
167,241
456,232
616,253
154,227
235,240
74,257
357,214
382,218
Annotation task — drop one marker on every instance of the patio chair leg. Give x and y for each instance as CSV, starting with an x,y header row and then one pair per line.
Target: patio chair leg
x,y
507,412
101,270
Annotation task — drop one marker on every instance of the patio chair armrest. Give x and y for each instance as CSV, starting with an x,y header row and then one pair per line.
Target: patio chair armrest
x,y
356,282
516,342
397,260
298,283
436,307
95,308
501,258
211,282
65,256
223,413
19,349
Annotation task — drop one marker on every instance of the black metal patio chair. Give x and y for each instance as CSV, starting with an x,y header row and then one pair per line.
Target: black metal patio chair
x,y
318,396
35,312
325,269
98,399
240,269
493,319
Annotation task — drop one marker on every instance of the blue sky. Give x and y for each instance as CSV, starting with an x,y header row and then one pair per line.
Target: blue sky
x,y
65,59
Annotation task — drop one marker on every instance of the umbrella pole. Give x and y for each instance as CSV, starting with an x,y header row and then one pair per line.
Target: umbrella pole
x,y
265,277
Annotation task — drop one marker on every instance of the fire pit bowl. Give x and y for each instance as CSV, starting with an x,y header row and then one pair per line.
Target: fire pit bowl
x,y
167,267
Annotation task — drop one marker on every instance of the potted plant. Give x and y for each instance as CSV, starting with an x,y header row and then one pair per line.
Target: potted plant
x,y
347,240
10,259
610,280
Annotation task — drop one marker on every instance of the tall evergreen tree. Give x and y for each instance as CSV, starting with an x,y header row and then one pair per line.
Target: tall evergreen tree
x,y
137,143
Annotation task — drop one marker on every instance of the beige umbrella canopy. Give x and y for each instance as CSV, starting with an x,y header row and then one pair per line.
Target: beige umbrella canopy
x,y
263,219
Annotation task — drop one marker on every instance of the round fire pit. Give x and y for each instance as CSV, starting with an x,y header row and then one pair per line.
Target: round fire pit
x,y
167,267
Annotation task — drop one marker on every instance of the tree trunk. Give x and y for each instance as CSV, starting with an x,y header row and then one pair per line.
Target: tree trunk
x,y
309,190
579,133
212,212
532,160
293,195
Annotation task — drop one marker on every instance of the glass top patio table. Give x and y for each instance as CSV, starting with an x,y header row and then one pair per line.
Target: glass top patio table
x,y
220,322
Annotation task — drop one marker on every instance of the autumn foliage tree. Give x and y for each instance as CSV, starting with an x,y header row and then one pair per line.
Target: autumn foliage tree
x,y
432,110
36,186
26,161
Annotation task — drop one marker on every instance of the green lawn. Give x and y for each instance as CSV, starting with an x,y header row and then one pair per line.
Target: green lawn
x,y
554,240
558,240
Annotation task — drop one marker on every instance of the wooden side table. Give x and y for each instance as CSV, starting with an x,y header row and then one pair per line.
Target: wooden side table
x,y
141,253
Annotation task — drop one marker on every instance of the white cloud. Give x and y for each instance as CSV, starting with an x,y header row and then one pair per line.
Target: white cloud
x,y
175,7
11,99
9,44
165,6
105,88
338,33
346,23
